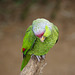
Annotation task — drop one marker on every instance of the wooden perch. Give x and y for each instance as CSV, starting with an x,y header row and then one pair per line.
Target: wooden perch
x,y
34,67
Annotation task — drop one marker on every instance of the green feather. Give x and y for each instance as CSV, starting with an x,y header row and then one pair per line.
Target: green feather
x,y
47,32
28,43
25,61
28,40
33,45
42,48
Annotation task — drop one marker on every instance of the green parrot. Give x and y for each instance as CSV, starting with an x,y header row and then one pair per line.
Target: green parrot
x,y
39,38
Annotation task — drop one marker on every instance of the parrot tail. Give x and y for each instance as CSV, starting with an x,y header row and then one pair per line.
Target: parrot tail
x,y
26,59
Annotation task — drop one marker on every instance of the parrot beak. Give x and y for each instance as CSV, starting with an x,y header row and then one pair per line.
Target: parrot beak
x,y
42,39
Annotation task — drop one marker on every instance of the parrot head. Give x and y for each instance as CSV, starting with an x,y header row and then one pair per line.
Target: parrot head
x,y
42,28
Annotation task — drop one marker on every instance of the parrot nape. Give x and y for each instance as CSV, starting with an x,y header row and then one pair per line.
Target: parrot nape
x,y
39,38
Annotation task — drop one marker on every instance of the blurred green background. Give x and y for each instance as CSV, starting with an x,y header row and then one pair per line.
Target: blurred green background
x,y
17,15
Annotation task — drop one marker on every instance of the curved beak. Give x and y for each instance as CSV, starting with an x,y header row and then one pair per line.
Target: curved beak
x,y
42,39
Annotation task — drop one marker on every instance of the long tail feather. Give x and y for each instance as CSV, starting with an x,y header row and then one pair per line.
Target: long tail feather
x,y
26,58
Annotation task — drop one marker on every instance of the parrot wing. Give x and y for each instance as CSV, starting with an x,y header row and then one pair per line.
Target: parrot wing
x,y
28,43
57,32
29,40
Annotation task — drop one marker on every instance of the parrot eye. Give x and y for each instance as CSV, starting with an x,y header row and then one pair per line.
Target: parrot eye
x,y
23,49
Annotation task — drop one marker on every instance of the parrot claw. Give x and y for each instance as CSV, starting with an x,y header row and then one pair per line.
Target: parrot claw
x,y
38,58
43,56
32,55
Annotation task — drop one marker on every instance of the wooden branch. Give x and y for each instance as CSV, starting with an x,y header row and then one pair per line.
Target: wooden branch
x,y
34,67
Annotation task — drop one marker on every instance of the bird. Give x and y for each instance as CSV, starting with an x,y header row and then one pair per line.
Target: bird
x,y
39,38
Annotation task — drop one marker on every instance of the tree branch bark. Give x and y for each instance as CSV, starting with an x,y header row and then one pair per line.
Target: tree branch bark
x,y
34,67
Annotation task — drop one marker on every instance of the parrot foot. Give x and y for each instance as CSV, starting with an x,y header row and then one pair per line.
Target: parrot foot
x,y
38,58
